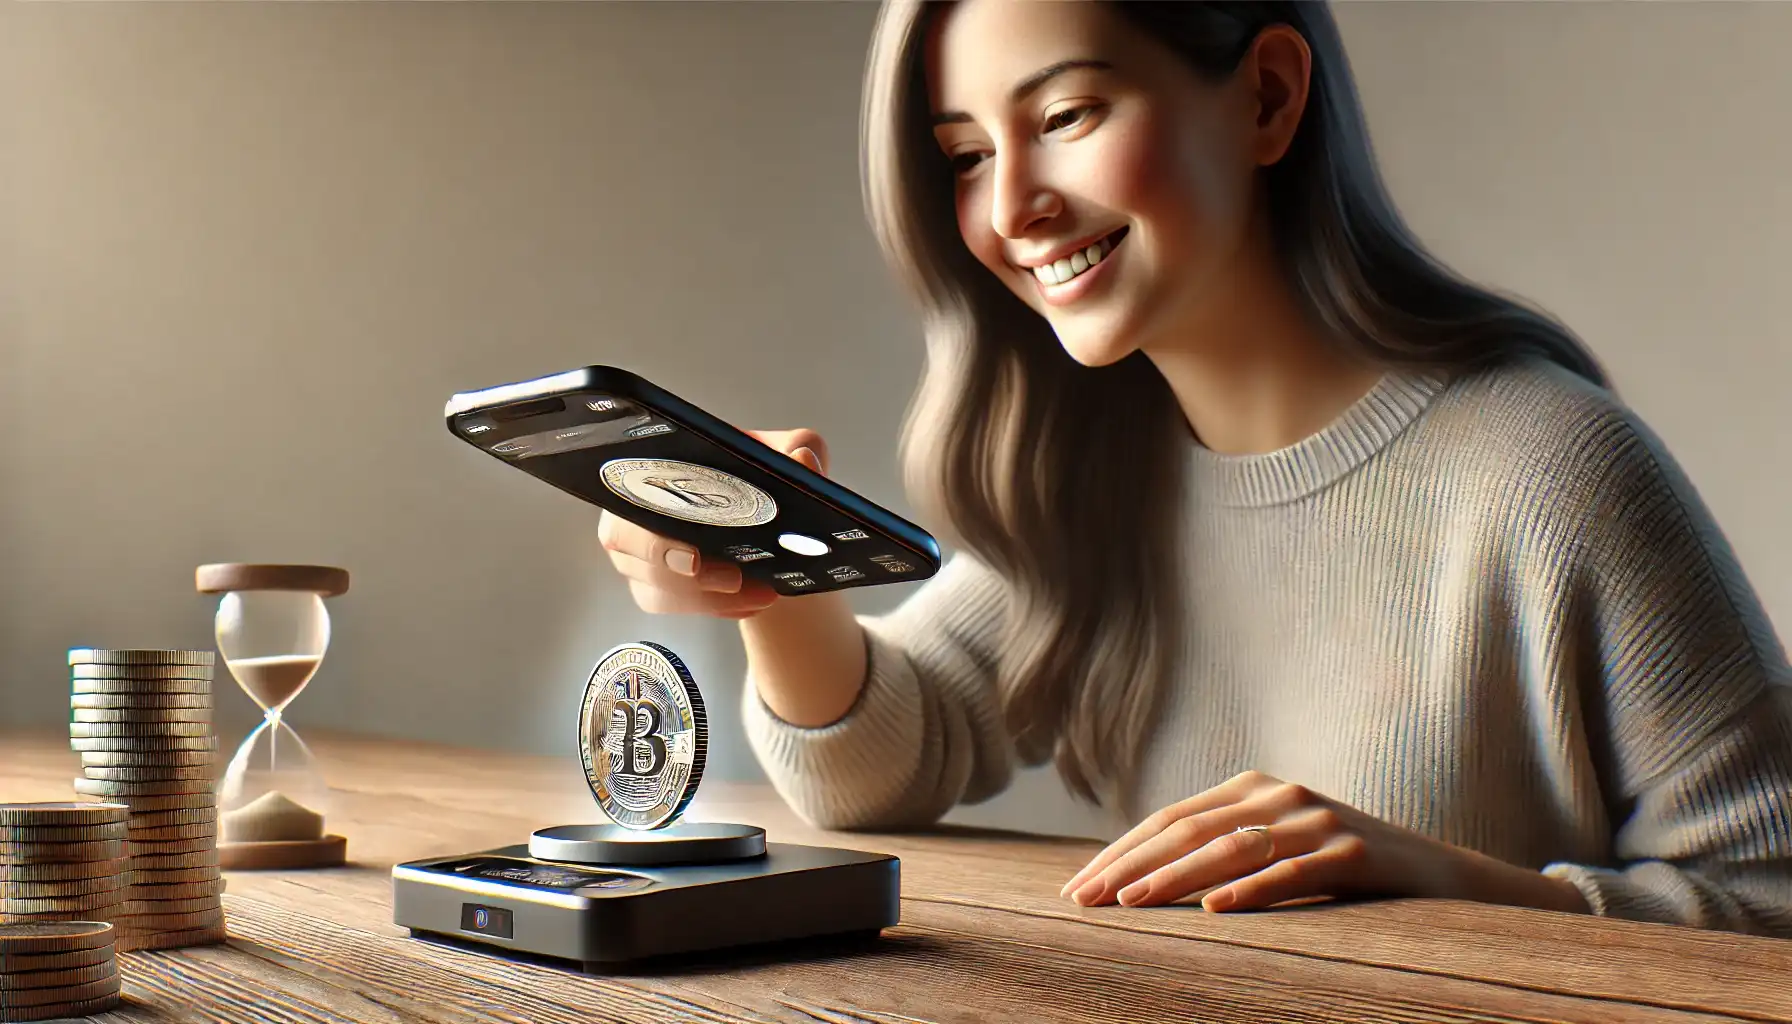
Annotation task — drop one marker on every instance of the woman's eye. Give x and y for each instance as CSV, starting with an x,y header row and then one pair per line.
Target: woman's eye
x,y
1067,118
964,163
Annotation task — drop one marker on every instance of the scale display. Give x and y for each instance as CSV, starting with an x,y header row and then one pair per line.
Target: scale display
x,y
552,877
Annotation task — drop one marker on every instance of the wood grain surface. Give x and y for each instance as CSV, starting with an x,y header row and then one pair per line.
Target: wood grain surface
x,y
984,935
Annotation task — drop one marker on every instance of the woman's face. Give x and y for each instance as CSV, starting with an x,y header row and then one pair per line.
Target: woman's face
x,y
1104,182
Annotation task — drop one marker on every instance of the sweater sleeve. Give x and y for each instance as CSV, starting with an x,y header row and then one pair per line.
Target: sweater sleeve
x,y
926,732
1696,701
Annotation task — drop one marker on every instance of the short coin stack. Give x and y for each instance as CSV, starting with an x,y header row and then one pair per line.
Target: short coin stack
x,y
51,969
142,723
62,861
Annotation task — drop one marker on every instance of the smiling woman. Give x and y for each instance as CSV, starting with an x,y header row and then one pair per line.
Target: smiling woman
x,y
1352,573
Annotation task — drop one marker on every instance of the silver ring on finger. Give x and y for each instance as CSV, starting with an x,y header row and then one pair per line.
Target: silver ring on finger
x,y
1267,837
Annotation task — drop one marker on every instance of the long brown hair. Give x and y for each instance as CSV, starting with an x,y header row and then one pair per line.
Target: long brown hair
x,y
1065,479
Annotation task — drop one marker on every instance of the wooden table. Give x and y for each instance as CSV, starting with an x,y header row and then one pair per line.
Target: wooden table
x,y
984,935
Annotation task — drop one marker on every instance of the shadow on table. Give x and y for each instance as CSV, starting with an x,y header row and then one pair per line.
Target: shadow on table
x,y
136,1011
816,950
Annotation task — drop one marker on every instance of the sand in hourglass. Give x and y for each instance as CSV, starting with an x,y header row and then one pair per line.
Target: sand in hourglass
x,y
273,817
274,680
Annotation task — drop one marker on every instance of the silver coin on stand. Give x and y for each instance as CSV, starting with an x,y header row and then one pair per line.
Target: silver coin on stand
x,y
643,739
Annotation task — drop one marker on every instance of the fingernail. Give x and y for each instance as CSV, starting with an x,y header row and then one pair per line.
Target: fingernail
x,y
1221,900
801,452
682,562
1069,887
722,579
1090,892
1133,893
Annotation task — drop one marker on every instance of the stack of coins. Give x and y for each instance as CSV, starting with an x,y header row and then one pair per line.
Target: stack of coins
x,y
62,861
142,723
57,969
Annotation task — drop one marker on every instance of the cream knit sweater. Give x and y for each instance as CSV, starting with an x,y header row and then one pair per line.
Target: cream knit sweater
x,y
1489,608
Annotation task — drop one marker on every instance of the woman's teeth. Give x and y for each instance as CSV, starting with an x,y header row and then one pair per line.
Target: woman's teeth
x,y
1070,267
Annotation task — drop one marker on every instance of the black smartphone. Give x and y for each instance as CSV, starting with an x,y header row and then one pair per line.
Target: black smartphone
x,y
612,438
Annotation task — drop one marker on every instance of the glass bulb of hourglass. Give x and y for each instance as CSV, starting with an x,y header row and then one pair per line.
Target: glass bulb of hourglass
x,y
272,642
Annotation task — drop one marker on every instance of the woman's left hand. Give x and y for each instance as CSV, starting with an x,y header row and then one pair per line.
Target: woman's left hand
x,y
1314,846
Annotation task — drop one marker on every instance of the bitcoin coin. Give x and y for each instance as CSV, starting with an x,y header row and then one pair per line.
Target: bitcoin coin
x,y
685,490
643,735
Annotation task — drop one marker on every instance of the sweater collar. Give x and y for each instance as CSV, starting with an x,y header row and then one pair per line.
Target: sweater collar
x,y
1321,459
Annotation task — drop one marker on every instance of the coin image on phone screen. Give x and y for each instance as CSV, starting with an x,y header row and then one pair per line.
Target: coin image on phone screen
x,y
687,491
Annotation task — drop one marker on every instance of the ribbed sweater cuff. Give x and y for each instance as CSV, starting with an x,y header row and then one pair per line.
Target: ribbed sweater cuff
x,y
859,770
1667,896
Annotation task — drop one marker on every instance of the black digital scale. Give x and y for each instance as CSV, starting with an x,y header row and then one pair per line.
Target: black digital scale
x,y
602,895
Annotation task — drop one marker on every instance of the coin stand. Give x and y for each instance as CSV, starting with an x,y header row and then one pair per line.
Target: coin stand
x,y
273,630
643,884
683,843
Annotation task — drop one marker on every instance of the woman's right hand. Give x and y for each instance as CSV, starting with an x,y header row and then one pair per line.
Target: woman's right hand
x,y
669,577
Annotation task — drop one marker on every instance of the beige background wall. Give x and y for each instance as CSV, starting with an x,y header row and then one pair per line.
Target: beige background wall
x,y
254,247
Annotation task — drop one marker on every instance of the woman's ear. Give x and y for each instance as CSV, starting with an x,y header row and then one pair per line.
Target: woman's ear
x,y
1276,72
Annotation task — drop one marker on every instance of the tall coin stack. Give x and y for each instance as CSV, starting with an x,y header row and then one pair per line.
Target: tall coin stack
x,y
51,970
142,723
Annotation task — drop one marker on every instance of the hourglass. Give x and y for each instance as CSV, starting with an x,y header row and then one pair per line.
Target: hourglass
x,y
273,629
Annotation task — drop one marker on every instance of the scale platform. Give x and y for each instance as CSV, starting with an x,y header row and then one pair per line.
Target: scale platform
x,y
512,900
